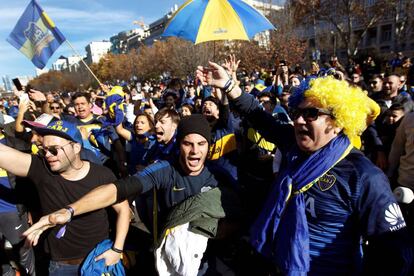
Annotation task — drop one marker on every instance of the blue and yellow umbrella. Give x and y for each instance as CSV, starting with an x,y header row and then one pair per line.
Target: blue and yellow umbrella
x,y
210,20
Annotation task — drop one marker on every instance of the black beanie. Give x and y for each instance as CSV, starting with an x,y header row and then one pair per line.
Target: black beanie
x,y
212,99
195,123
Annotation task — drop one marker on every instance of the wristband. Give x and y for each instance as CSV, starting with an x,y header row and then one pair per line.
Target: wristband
x,y
72,212
231,87
113,248
228,84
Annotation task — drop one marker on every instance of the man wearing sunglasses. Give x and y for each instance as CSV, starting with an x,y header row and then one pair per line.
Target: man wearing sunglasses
x,y
61,176
328,196
375,84
175,182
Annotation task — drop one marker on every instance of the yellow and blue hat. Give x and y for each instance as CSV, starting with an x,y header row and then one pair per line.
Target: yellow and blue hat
x,y
61,128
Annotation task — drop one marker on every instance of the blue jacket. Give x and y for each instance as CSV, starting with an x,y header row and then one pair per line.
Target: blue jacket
x,y
92,268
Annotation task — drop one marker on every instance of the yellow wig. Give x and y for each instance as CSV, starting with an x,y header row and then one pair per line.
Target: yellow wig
x,y
350,106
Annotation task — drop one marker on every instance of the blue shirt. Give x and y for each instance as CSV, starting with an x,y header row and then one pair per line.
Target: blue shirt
x,y
172,183
352,201
138,152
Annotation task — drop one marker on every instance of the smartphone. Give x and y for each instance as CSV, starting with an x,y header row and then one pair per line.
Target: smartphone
x,y
17,83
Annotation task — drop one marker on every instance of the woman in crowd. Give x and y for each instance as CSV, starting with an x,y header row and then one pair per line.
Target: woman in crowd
x,y
140,139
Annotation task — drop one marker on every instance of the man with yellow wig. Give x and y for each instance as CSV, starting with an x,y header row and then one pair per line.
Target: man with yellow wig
x,y
330,211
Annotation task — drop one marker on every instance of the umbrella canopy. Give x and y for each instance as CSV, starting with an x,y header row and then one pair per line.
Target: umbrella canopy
x,y
207,20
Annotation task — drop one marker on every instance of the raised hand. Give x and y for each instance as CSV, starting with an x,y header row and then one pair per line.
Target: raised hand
x,y
215,75
37,95
231,65
24,105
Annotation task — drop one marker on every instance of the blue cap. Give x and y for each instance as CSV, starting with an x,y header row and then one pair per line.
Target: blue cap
x,y
63,129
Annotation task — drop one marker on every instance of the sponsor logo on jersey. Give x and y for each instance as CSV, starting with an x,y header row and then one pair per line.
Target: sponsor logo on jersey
x,y
176,189
394,217
326,182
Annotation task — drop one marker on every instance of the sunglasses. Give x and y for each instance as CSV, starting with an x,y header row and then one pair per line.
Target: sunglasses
x,y
373,82
55,107
308,114
52,149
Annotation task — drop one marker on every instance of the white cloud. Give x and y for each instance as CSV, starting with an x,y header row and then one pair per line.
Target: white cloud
x,y
72,19
80,21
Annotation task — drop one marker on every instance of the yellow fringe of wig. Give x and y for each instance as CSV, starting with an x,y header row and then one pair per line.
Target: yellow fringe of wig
x,y
352,108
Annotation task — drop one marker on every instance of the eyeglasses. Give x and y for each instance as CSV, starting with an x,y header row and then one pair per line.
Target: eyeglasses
x,y
309,114
52,149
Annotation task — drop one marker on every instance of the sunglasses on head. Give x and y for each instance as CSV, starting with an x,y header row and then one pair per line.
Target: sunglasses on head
x,y
54,150
308,114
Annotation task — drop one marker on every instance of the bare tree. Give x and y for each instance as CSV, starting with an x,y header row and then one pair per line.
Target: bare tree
x,y
403,20
350,19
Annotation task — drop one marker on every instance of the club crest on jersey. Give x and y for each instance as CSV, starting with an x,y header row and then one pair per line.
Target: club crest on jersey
x,y
326,182
394,217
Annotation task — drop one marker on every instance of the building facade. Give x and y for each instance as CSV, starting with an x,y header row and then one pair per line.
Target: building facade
x,y
96,50
124,41
8,86
381,39
156,28
70,63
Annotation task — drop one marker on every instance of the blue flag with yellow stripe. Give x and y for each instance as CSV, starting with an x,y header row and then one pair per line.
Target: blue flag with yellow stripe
x,y
35,35
115,104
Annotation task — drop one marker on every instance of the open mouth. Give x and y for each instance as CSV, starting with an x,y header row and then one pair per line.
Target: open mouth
x,y
303,132
207,112
193,161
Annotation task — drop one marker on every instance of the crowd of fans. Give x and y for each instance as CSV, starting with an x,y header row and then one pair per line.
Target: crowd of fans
x,y
130,126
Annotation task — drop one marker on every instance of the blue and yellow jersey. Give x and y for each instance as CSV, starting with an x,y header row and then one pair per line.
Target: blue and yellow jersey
x,y
222,156
223,145
261,142
350,203
100,138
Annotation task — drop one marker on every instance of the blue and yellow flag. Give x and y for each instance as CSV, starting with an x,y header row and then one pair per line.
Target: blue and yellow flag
x,y
114,102
35,35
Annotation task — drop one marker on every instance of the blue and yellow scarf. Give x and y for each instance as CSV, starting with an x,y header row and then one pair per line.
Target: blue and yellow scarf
x,y
281,230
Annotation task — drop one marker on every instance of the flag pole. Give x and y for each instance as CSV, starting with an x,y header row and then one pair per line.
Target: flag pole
x,y
84,63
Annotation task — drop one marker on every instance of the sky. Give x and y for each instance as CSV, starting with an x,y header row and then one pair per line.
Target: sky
x,y
81,22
